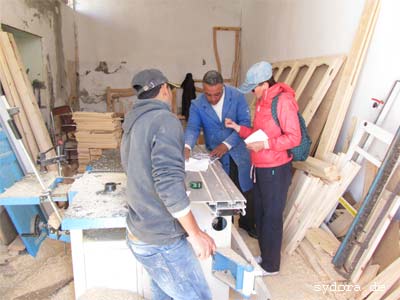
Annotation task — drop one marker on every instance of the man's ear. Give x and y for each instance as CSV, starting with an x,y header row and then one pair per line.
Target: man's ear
x,y
164,89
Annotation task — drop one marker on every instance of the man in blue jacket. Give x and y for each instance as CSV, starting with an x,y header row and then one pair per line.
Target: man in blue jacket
x,y
208,112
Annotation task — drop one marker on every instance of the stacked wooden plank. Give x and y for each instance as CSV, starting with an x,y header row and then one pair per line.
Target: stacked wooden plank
x,y
19,93
318,168
310,200
96,131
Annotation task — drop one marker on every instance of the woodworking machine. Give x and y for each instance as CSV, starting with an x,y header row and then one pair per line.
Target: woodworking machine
x,y
95,223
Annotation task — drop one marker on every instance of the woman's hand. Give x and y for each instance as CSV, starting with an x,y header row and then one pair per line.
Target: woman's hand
x,y
231,124
258,146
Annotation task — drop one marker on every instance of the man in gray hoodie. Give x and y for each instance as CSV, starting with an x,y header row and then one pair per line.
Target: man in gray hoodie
x,y
159,217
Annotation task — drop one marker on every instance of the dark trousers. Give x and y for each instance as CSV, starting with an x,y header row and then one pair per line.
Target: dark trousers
x,y
270,192
247,222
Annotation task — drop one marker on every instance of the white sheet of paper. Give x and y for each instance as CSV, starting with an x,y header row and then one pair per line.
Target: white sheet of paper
x,y
195,165
258,136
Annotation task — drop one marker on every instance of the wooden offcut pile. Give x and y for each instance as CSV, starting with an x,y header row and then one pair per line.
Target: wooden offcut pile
x,y
95,132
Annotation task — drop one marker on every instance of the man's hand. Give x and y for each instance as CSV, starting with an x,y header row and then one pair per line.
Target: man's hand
x,y
187,153
203,245
219,151
257,146
232,124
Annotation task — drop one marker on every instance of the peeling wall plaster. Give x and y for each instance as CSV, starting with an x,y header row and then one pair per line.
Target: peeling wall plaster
x,y
94,80
50,20
116,41
51,11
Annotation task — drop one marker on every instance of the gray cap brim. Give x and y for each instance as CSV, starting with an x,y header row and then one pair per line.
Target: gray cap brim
x,y
247,87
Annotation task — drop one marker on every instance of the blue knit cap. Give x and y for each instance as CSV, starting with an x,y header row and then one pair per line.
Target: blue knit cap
x,y
259,72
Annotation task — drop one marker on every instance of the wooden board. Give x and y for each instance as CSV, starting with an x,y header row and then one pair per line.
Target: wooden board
x,y
15,101
318,168
388,278
25,93
349,78
389,248
320,239
317,124
379,231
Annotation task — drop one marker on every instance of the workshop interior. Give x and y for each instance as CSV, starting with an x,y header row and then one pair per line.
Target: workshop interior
x,y
66,68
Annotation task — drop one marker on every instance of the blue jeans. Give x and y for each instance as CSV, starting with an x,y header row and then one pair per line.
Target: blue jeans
x,y
174,270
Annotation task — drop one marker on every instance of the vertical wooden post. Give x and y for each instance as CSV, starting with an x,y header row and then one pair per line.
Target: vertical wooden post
x,y
349,78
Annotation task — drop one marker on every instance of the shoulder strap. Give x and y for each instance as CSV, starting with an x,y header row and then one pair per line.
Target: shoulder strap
x,y
274,109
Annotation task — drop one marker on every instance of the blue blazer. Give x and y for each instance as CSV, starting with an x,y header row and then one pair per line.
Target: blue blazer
x,y
202,115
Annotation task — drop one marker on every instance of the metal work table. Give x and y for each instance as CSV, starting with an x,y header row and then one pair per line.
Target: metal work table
x,y
96,221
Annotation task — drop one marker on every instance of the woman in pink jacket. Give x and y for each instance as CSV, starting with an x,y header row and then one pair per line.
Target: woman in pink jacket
x,y
271,161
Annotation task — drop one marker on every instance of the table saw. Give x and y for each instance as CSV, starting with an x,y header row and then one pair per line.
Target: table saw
x,y
95,224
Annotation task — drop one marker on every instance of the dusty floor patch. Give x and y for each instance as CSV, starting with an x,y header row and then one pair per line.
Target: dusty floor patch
x,y
49,277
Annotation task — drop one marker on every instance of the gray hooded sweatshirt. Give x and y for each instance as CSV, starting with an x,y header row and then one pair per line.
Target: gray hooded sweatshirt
x,y
152,156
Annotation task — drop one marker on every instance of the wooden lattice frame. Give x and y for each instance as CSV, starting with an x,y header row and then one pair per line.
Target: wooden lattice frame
x,y
310,78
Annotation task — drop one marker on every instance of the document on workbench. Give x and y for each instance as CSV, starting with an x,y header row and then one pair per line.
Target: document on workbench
x,y
257,136
197,164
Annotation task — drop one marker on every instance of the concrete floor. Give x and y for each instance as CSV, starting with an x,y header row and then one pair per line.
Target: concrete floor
x,y
49,277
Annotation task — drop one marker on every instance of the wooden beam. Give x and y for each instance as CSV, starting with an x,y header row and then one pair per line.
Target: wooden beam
x,y
215,46
13,99
349,78
227,28
378,233
27,97
387,278
319,168
320,239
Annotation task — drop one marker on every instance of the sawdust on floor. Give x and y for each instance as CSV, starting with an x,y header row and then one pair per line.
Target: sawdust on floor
x,y
49,277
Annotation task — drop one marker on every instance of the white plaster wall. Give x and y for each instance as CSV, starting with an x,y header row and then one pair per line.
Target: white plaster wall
x,y
287,29
129,35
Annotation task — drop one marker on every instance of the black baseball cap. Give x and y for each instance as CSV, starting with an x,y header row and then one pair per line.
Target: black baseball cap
x,y
148,79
